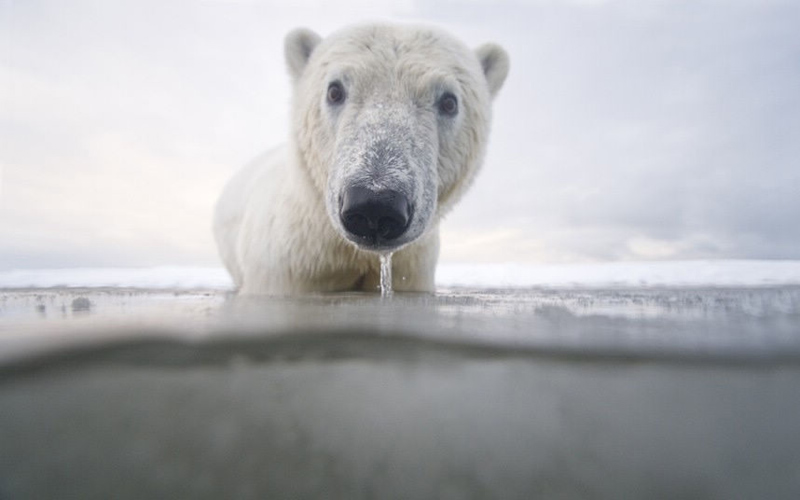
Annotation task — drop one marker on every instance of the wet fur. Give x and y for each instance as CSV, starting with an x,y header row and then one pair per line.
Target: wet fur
x,y
277,222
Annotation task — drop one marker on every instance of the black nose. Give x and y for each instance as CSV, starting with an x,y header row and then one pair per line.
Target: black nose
x,y
374,215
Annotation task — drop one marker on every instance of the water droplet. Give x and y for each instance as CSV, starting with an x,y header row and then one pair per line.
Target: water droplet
x,y
386,274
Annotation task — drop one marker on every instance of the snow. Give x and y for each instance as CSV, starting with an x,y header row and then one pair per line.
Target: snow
x,y
623,274
736,273
172,277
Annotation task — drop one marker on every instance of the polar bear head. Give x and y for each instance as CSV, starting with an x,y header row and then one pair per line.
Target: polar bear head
x,y
390,124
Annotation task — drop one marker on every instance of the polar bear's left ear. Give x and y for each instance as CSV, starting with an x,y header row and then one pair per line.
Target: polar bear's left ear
x,y
298,46
495,64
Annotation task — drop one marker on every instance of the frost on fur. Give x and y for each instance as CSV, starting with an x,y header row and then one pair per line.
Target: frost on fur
x,y
389,127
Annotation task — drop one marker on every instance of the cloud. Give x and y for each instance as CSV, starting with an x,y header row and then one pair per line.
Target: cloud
x,y
626,130
676,128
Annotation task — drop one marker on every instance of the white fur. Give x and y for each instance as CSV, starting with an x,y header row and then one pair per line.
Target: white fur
x,y
277,223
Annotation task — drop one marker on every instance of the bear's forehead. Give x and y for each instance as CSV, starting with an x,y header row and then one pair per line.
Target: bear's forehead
x,y
391,49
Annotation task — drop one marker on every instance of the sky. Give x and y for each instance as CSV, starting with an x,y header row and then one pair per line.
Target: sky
x,y
627,129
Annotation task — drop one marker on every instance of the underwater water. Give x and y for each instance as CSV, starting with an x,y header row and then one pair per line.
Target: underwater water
x,y
673,392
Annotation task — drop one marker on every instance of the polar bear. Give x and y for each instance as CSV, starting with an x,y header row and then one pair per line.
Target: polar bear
x,y
389,127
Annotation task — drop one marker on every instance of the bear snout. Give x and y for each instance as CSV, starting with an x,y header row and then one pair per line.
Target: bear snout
x,y
375,218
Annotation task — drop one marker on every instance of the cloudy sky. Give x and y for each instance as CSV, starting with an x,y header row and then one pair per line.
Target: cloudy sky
x,y
627,130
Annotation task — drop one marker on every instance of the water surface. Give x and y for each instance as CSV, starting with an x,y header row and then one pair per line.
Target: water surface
x,y
534,393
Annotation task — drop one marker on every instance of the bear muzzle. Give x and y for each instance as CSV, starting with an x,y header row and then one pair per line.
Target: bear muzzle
x,y
375,219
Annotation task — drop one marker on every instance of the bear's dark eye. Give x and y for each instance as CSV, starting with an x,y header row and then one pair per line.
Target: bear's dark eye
x,y
335,93
448,104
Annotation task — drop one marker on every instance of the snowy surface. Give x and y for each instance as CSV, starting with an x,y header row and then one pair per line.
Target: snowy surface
x,y
623,274
617,274
151,278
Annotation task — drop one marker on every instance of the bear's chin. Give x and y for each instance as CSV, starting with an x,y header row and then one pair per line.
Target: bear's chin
x,y
376,245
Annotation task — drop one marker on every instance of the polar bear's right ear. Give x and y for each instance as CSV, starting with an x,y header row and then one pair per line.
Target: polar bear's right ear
x,y
298,46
